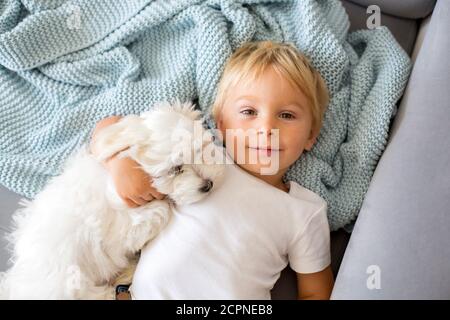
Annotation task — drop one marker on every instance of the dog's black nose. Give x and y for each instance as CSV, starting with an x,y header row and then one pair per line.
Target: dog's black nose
x,y
207,186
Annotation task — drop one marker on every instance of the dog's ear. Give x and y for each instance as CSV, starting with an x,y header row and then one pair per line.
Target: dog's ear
x,y
128,131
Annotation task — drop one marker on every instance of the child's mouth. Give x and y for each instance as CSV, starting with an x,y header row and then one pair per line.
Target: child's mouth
x,y
265,151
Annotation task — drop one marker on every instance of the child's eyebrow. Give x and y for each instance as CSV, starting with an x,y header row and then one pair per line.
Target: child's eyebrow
x,y
246,97
297,105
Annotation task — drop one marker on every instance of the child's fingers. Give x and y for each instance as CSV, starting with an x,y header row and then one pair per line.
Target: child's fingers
x,y
157,195
130,203
138,200
147,197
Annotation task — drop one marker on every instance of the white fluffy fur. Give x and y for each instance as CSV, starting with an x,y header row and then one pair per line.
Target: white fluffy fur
x,y
77,236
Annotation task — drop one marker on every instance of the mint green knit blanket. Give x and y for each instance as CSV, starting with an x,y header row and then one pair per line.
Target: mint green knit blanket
x,y
64,65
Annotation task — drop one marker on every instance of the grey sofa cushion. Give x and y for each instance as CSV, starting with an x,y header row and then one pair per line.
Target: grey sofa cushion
x,y
8,204
4,254
403,226
411,9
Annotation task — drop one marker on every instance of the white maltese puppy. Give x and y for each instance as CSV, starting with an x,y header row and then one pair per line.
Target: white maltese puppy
x,y
77,236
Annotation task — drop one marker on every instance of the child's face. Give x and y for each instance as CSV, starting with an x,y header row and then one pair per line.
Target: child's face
x,y
270,102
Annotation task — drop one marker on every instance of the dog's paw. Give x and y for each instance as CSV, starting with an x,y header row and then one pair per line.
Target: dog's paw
x,y
147,223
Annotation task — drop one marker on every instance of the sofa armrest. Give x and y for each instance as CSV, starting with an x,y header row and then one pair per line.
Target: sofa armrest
x,y
403,227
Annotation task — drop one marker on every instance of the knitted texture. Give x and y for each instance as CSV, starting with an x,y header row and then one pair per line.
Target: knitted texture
x,y
64,65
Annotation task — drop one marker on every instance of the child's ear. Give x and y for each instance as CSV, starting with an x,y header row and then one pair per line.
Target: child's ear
x,y
219,122
220,126
128,131
311,141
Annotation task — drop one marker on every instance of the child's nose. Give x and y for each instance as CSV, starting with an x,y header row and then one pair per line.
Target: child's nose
x,y
267,127
265,132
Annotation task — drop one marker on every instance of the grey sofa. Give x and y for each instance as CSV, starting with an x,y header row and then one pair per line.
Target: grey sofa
x,y
399,245
400,236
402,233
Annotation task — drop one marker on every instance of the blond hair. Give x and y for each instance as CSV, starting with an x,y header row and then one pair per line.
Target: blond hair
x,y
252,59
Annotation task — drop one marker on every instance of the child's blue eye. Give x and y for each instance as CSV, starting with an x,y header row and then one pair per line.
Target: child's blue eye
x,y
289,115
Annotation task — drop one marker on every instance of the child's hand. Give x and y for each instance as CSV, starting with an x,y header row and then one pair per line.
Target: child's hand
x,y
132,183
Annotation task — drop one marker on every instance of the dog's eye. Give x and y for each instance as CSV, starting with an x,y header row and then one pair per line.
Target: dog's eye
x,y
177,170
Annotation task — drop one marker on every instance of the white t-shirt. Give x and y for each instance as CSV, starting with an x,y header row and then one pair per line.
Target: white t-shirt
x,y
234,243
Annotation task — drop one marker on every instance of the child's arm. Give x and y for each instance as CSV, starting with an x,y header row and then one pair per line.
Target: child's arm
x,y
133,185
98,127
315,286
